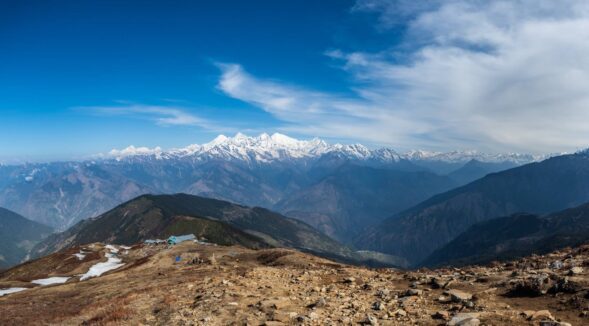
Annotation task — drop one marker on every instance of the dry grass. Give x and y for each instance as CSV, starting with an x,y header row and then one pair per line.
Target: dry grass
x,y
113,314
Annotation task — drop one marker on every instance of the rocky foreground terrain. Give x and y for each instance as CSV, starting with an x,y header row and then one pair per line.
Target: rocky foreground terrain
x,y
200,284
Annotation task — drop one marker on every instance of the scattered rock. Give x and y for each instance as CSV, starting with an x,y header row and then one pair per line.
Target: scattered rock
x,y
443,315
383,293
575,271
541,315
534,285
465,319
313,315
412,292
319,304
400,312
527,314
378,305
273,323
444,299
553,323
370,320
458,296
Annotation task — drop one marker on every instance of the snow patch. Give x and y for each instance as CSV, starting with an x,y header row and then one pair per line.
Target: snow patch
x,y
110,264
81,255
112,248
11,290
51,280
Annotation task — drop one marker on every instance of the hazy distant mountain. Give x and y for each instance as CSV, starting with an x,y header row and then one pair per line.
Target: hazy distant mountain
x,y
474,170
551,185
17,236
515,236
352,196
220,222
449,162
60,194
276,172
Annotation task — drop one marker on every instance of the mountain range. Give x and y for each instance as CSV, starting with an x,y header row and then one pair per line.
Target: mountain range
x,y
359,186
537,188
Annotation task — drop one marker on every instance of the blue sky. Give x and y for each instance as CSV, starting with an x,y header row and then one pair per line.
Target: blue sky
x,y
82,77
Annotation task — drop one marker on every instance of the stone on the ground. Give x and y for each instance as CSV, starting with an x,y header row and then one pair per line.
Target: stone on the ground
x,y
465,319
458,296
541,315
443,315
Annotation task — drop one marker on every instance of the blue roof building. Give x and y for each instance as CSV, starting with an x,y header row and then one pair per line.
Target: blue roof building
x,y
180,238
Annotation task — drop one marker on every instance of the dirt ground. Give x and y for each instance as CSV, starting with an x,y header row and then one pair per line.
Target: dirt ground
x,y
214,285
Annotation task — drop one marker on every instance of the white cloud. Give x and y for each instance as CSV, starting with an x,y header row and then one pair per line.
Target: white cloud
x,y
491,75
310,112
162,115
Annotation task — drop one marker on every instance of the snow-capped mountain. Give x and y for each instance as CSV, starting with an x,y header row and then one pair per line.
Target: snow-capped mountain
x,y
338,188
278,147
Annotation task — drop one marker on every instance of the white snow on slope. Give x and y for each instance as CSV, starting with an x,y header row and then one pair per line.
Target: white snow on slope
x,y
100,268
11,290
81,255
112,249
51,280
278,147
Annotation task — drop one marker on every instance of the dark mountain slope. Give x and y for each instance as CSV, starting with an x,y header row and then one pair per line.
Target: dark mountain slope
x,y
515,236
352,197
220,222
17,236
539,188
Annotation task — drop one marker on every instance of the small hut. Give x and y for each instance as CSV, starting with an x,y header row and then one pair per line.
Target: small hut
x,y
176,239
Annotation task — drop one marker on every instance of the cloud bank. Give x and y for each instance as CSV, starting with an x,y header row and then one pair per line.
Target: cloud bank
x,y
491,75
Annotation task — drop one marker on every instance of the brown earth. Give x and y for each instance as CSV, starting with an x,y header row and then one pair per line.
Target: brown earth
x,y
214,285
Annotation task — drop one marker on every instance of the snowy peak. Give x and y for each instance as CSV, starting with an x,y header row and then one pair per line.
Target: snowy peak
x,y
267,148
135,151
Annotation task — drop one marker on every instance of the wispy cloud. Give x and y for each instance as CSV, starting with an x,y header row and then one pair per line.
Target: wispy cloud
x,y
161,115
492,75
309,112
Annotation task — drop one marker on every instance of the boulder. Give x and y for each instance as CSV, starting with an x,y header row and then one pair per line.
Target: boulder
x,y
541,315
458,296
465,319
534,285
